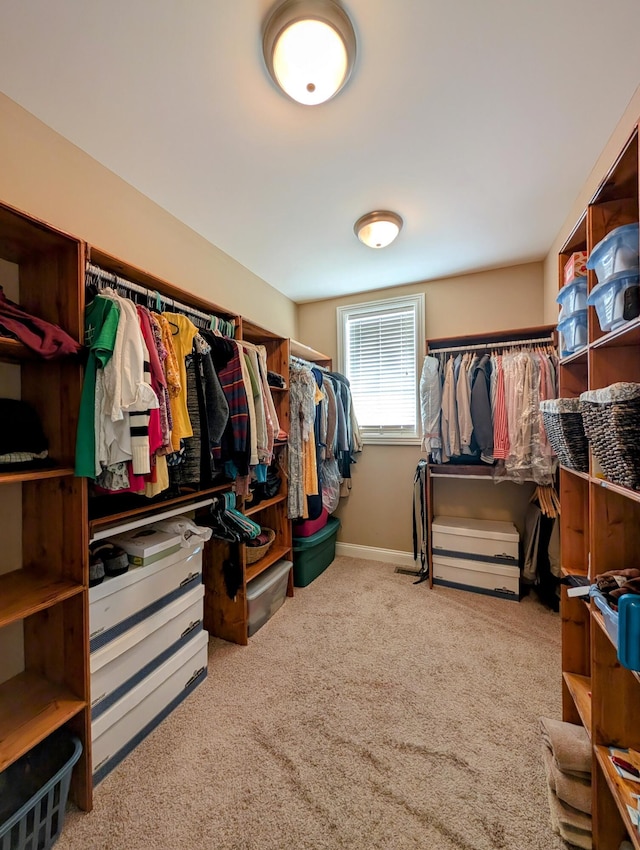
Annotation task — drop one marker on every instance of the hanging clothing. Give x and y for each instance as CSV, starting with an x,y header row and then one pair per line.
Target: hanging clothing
x,y
100,328
430,407
182,333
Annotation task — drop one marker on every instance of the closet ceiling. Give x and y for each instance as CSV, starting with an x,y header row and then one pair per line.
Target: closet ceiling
x,y
477,121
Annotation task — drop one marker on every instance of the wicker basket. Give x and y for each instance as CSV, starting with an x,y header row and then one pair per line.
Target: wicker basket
x,y
563,423
254,553
611,419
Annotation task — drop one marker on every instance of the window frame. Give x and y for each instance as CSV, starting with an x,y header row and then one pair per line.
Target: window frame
x,y
416,302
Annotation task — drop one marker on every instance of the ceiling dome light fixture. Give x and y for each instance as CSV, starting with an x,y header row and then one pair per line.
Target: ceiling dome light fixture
x,y
309,48
378,229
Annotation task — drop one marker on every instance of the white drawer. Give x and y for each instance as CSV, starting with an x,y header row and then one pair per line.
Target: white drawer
x,y
477,539
120,664
120,729
119,603
479,576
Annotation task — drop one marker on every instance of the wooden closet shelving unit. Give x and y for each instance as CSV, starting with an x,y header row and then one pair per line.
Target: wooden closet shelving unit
x,y
47,591
600,530
480,471
228,618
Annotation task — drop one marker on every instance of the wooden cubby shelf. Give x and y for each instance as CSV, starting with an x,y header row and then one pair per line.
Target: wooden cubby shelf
x,y
13,351
580,689
31,707
621,791
24,592
276,553
600,529
105,522
577,473
267,503
17,476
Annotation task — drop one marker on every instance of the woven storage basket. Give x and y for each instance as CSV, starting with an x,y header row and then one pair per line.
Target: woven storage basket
x,y
254,553
611,419
562,421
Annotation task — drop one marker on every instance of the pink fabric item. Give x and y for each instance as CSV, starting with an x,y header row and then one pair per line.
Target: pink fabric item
x,y
500,427
310,526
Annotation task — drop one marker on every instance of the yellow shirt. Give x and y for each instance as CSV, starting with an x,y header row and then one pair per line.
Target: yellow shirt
x,y
182,333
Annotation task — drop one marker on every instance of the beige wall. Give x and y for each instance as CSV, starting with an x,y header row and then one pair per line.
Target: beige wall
x,y
603,164
378,511
46,176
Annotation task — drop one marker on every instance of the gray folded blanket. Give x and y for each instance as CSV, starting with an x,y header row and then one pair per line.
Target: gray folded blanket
x,y
570,746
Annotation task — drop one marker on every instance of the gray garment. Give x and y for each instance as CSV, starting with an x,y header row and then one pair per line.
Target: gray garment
x,y
215,401
481,407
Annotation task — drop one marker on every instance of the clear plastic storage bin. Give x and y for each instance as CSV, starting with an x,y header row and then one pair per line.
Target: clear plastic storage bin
x,y
266,593
608,298
573,333
617,252
572,298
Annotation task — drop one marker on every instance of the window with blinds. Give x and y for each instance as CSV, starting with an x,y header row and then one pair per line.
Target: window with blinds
x,y
379,349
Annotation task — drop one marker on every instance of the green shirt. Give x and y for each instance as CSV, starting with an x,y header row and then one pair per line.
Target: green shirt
x,y
101,318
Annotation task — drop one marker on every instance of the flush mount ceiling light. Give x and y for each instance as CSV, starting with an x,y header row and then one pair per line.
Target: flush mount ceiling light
x,y
309,48
378,229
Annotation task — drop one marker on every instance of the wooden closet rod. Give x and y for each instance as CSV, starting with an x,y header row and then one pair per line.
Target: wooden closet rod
x,y
548,340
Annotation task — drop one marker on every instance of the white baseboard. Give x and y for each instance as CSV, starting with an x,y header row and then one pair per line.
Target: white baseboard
x,y
372,553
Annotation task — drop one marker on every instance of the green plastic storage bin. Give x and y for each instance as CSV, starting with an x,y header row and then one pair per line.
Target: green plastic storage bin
x,y
312,555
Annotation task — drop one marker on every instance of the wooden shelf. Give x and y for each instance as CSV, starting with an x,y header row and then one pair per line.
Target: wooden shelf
x,y
104,522
578,357
627,334
580,689
584,475
19,475
274,554
23,593
460,469
599,619
621,791
13,351
31,708
634,495
250,511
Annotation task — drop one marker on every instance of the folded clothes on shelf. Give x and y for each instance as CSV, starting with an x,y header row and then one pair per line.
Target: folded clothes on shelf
x,y
569,744
572,790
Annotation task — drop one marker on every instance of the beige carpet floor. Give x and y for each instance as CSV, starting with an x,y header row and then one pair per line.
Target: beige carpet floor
x,y
368,713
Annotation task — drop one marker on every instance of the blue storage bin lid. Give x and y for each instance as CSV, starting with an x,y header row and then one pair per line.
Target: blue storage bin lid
x,y
630,232
568,288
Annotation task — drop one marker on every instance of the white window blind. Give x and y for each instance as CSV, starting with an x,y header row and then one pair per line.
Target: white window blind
x,y
379,346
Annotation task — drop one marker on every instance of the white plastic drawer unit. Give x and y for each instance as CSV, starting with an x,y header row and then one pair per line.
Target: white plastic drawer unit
x,y
119,730
121,602
485,577
475,539
120,664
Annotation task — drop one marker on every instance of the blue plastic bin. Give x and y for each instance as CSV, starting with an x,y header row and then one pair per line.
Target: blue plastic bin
x,y
572,297
629,631
573,333
608,299
617,252
34,791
